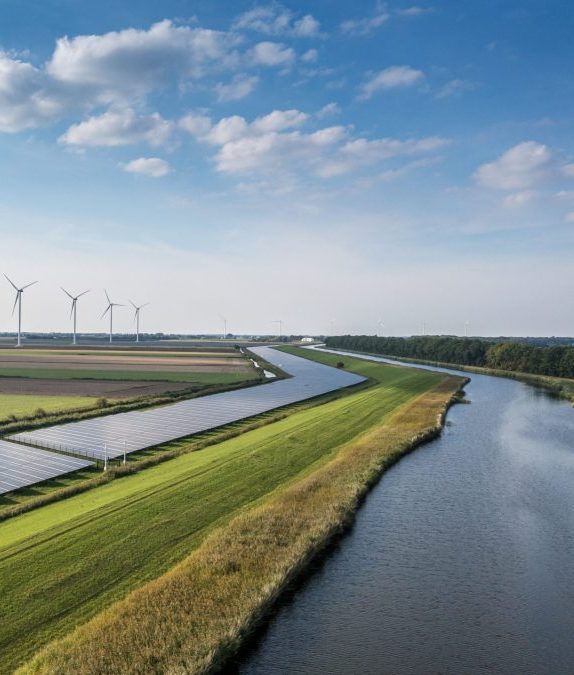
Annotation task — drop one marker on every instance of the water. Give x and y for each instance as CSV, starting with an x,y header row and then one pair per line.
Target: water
x,y
461,561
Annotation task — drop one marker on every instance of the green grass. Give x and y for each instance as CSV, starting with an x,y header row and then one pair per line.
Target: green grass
x,y
21,405
129,375
61,564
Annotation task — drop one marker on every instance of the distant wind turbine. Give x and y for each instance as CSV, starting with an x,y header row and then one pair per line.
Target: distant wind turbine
x,y
137,318
381,325
110,309
280,322
18,301
224,326
466,324
74,299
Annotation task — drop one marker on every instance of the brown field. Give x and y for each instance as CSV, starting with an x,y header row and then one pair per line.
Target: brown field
x,y
112,389
131,362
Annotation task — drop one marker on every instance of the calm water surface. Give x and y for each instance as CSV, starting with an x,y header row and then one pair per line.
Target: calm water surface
x,y
460,561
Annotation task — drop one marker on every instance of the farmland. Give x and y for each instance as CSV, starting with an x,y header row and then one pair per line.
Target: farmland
x,y
57,380
91,549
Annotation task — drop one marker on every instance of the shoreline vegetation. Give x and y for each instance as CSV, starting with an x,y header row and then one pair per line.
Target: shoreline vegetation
x,y
197,615
563,387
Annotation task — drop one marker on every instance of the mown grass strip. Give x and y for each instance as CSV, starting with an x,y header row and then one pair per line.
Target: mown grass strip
x,y
192,619
66,373
63,563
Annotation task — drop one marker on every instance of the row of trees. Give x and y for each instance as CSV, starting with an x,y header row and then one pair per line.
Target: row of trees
x,y
511,356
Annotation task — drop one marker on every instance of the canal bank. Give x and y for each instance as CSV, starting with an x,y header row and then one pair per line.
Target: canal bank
x,y
460,560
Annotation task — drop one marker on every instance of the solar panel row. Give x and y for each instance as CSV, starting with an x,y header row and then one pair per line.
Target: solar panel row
x,y
21,466
113,435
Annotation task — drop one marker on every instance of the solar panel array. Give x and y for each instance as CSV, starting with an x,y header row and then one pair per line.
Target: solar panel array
x,y
21,466
128,432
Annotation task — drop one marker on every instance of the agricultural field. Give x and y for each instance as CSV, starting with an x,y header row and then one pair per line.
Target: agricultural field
x,y
57,380
91,549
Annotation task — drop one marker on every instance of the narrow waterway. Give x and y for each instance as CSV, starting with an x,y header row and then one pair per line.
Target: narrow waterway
x,y
461,560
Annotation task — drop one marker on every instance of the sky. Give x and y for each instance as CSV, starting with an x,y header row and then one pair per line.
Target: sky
x,y
344,167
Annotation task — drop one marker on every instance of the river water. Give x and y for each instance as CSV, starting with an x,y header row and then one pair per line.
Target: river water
x,y
461,560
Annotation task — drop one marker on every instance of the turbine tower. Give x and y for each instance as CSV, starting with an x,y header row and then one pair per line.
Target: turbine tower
x,y
74,299
18,301
110,309
137,318
280,322
224,326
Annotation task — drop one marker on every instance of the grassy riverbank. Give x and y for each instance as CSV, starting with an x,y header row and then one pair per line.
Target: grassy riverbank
x,y
560,386
311,469
91,549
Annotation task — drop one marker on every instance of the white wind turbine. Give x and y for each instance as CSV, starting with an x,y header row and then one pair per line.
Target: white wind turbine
x,y
110,309
137,317
18,301
280,322
73,309
224,325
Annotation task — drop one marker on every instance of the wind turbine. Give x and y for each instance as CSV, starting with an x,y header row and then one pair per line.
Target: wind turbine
x,y
137,318
18,301
224,326
74,299
466,324
110,309
381,325
280,322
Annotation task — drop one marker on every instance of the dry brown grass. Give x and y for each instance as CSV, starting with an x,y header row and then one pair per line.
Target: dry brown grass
x,y
193,618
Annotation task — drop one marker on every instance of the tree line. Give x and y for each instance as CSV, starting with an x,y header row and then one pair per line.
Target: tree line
x,y
510,356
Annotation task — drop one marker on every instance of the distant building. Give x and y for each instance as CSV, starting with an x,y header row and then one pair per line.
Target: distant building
x,y
307,339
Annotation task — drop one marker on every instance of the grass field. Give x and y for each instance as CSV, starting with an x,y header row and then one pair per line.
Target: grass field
x,y
23,405
61,564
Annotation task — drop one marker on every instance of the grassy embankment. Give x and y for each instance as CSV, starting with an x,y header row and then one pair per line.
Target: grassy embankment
x,y
562,387
91,549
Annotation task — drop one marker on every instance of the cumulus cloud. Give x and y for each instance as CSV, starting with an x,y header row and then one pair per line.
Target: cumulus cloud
x,y
277,20
310,56
523,166
239,87
27,97
328,110
454,87
366,25
119,127
133,62
148,166
276,143
518,199
272,54
390,78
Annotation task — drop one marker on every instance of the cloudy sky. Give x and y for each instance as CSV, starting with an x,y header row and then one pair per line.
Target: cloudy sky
x,y
327,163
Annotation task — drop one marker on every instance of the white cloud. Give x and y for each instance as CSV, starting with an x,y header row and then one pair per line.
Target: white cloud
x,y
390,78
565,194
454,87
523,166
272,54
415,10
240,87
328,110
518,199
148,166
27,97
310,56
274,143
119,127
133,62
366,25
277,20
568,170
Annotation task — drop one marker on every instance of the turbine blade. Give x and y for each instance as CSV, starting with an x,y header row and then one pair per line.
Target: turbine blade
x,y
133,304
15,302
105,311
146,304
28,285
68,294
84,293
13,284
72,308
107,296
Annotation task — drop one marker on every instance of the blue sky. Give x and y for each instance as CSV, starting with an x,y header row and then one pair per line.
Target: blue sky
x,y
331,164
